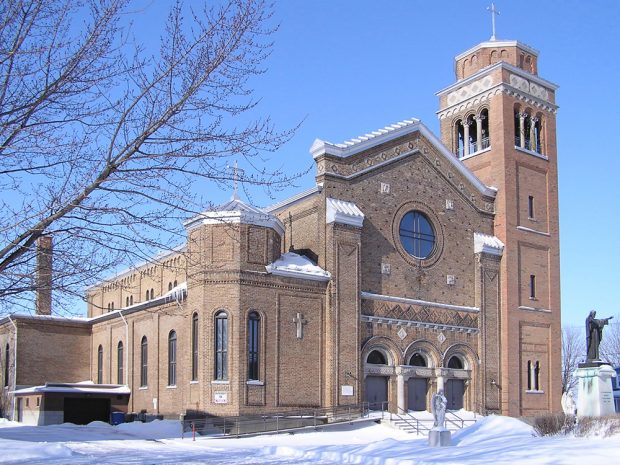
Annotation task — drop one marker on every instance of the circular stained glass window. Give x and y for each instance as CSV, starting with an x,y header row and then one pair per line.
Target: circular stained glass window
x,y
417,235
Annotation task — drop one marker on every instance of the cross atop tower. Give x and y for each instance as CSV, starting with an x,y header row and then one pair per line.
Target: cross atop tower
x,y
494,12
236,171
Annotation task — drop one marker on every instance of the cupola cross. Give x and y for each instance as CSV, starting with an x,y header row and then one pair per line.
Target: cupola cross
x,y
494,12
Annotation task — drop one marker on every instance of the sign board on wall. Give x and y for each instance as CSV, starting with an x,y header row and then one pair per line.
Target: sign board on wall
x,y
220,397
346,390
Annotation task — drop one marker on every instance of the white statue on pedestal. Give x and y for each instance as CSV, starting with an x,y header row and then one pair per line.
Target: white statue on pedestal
x,y
439,404
568,403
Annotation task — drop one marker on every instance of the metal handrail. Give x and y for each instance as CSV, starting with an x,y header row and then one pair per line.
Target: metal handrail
x,y
406,418
274,422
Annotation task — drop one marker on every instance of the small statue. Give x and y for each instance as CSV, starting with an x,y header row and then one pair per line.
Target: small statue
x,y
594,335
439,404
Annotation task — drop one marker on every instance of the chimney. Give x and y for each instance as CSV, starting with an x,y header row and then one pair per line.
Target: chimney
x,y
43,282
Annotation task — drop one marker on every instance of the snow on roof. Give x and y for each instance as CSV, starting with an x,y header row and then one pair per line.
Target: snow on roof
x,y
84,387
488,244
294,265
235,211
320,147
339,211
295,198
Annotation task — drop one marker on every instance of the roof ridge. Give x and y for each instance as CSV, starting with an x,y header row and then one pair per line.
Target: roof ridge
x,y
378,132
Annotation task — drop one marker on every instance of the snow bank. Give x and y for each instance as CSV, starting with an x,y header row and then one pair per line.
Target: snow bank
x,y
157,429
14,451
492,427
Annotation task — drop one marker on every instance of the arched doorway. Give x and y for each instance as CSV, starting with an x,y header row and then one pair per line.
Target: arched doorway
x,y
376,387
417,388
455,388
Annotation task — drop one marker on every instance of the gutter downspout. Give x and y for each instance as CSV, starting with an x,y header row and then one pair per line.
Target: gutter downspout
x,y
14,366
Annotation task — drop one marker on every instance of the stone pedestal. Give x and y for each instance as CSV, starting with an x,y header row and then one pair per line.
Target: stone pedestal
x,y
596,397
439,438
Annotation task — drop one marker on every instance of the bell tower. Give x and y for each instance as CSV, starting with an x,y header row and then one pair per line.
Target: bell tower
x,y
499,119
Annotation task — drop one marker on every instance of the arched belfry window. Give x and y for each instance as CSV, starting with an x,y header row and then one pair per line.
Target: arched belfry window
x,y
376,357
172,358
100,365
485,136
221,346
144,362
528,131
253,345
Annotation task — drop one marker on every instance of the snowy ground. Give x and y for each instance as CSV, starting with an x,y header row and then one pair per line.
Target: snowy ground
x,y
493,440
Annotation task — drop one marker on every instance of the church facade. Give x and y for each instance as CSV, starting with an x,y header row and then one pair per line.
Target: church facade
x,y
416,263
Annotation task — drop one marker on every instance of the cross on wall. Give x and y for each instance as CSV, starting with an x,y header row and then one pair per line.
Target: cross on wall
x,y
300,322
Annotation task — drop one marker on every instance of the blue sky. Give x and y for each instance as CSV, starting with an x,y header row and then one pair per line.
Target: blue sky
x,y
345,68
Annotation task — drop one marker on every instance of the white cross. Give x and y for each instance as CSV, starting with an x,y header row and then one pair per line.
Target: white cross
x,y
236,171
494,13
299,321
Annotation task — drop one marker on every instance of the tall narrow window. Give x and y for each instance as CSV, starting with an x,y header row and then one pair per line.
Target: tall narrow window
x,y
147,295
195,347
221,346
7,359
537,376
529,375
532,286
119,360
144,360
100,365
530,207
172,358
253,341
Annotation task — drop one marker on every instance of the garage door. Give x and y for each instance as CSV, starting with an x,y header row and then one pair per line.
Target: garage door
x,y
83,411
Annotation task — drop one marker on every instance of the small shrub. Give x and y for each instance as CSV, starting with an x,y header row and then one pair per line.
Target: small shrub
x,y
598,426
553,423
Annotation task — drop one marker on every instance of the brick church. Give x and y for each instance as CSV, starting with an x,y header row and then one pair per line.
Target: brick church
x,y
416,263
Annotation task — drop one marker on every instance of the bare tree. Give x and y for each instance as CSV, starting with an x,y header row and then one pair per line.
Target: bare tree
x,y
102,141
610,344
573,351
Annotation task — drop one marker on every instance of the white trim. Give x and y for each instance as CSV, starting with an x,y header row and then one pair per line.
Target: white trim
x,y
218,381
417,324
484,243
542,233
255,382
339,211
406,300
532,391
532,309
320,147
295,198
479,152
532,152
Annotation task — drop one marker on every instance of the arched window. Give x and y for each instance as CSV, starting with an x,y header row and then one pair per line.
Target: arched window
x,y
130,300
152,294
417,360
459,136
417,235
221,346
119,360
127,301
172,358
175,283
376,358
485,141
253,347
147,295
144,360
195,347
537,376
455,362
100,365
170,286
7,359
